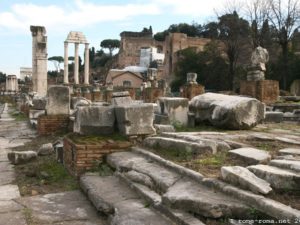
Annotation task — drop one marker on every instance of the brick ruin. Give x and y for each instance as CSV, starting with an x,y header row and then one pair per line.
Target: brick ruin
x,y
133,42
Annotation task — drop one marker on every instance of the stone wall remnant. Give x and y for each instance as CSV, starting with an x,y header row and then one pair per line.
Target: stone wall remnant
x,y
58,100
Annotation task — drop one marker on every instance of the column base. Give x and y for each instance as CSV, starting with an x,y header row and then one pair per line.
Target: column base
x,y
266,91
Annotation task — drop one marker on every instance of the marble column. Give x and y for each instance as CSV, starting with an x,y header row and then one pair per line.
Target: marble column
x,y
76,65
86,64
66,64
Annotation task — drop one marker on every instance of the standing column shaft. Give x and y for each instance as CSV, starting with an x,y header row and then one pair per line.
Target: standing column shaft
x,y
76,66
86,64
66,64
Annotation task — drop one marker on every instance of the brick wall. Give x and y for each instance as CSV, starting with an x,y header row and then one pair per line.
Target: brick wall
x,y
266,91
191,90
79,158
50,124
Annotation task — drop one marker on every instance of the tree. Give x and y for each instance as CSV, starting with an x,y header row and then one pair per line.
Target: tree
x,y
2,77
110,44
57,60
232,30
284,17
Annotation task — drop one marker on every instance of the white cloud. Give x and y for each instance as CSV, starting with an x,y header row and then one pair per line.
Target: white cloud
x,y
82,14
200,8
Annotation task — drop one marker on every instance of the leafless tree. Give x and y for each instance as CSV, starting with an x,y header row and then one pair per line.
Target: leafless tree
x,y
284,16
257,12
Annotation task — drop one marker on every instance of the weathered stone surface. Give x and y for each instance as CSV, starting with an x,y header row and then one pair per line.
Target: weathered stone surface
x,y
34,114
7,177
79,101
94,120
9,192
186,147
12,218
121,98
58,100
9,206
139,178
135,119
39,103
287,164
295,88
160,128
251,155
61,207
130,209
21,157
162,178
176,109
290,151
212,143
194,197
233,112
273,117
288,140
241,176
278,178
46,149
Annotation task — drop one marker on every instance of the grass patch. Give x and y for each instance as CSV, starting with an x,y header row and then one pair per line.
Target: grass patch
x,y
18,116
28,216
218,159
93,139
175,154
43,176
102,168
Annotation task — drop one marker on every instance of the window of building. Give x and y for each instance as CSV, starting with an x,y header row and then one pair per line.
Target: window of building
x,y
126,83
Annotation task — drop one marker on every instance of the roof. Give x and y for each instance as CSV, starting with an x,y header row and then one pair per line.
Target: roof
x,y
76,37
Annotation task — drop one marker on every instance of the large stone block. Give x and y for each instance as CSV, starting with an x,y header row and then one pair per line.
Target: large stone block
x,y
231,112
136,119
58,102
176,108
295,88
91,120
121,98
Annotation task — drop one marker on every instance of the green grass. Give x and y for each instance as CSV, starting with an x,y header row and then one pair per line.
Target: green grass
x,y
102,168
217,159
90,139
19,116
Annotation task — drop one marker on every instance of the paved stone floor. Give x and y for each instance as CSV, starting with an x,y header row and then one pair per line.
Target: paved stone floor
x,y
59,208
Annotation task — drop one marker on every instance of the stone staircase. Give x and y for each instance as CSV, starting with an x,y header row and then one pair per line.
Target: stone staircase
x,y
147,189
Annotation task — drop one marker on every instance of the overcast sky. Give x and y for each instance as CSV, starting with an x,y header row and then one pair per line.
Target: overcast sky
x,y
97,19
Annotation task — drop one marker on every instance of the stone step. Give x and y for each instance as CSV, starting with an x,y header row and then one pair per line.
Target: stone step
x,y
214,144
123,206
290,151
277,177
179,216
186,147
263,204
191,196
178,193
242,177
287,164
251,155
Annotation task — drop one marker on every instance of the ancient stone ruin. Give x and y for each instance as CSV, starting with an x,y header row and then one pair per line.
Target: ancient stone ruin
x,y
39,59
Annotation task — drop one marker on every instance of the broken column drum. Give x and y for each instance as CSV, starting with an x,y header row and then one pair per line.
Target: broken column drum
x,y
77,38
256,71
39,60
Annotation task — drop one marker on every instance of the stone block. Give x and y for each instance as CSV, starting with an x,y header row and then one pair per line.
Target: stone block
x,y
176,108
58,102
79,101
121,98
39,103
230,112
46,149
273,117
191,90
251,155
91,120
135,119
295,88
21,157
163,128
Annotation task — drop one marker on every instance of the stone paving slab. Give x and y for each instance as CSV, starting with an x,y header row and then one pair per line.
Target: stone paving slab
x,y
12,218
6,177
290,151
6,166
287,164
251,155
8,192
60,208
9,206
